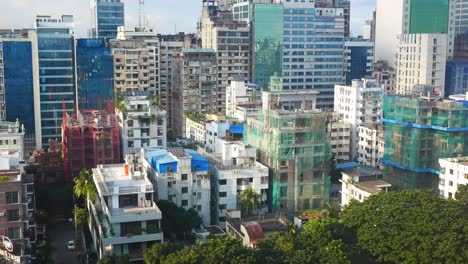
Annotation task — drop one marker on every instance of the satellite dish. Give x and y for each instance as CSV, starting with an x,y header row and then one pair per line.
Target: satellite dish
x,y
7,244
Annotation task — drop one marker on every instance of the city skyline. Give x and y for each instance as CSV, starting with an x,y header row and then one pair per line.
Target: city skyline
x,y
166,18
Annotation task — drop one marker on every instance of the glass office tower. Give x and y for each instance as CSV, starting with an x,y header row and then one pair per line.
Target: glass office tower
x,y
95,73
429,16
56,73
107,16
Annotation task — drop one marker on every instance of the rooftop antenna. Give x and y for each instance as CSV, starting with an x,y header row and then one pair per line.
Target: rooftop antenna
x,y
141,6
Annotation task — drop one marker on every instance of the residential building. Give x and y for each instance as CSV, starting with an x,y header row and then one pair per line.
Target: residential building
x,y
46,165
359,104
394,18
195,130
95,73
19,83
368,31
56,75
243,100
180,176
136,60
12,138
18,207
419,130
358,59
106,17
89,138
142,122
124,219
456,78
233,169
361,183
371,145
230,39
194,86
340,135
421,61
385,75
453,172
292,141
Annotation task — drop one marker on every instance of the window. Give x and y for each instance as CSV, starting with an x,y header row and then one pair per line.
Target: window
x,y
130,200
199,195
466,176
184,177
222,207
184,202
199,208
184,189
14,232
222,182
13,215
450,183
223,194
451,171
12,197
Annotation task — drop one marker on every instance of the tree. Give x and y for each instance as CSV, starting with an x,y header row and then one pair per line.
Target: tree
x,y
42,216
159,252
177,221
462,194
123,259
412,226
81,215
84,185
249,201
214,251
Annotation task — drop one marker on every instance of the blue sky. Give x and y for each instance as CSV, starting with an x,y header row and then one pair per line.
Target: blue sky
x,y
167,16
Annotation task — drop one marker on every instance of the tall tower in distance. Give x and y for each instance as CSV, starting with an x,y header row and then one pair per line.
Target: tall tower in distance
x,y
107,16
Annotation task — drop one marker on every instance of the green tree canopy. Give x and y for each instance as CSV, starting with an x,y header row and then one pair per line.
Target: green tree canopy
x,y
84,185
462,194
249,201
124,259
412,226
178,221
158,253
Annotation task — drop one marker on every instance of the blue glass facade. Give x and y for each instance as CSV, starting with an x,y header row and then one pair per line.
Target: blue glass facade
x,y
19,87
456,80
95,73
358,61
109,16
56,78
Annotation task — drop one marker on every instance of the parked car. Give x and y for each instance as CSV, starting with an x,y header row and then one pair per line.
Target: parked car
x,y
71,245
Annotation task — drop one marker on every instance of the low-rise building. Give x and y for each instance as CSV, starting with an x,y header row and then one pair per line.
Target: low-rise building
x,y
243,100
361,183
142,123
180,176
124,219
12,138
454,172
370,145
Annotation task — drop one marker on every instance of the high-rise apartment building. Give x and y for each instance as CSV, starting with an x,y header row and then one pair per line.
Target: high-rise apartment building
x,y
340,136
359,104
398,17
419,130
194,86
345,5
292,139
370,145
19,83
95,73
230,39
107,16
458,26
421,60
358,59
56,72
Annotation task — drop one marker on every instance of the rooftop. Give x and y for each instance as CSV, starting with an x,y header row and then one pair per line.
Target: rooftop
x,y
119,178
460,160
372,187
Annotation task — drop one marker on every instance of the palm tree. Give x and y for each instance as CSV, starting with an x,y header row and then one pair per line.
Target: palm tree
x,y
249,201
84,185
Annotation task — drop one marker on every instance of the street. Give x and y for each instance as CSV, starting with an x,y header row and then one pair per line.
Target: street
x,y
60,233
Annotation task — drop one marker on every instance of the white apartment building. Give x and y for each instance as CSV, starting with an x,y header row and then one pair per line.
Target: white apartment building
x,y
243,100
12,139
340,135
180,176
361,183
359,104
124,219
142,124
234,169
195,130
454,172
371,145
205,129
421,60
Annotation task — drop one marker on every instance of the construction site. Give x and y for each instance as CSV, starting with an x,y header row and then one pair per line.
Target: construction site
x,y
418,130
292,141
89,138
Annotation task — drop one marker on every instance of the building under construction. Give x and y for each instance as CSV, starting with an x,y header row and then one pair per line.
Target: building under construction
x,y
291,138
419,130
89,138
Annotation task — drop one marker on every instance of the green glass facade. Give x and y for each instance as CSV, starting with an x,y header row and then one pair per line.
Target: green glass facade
x,y
429,16
267,20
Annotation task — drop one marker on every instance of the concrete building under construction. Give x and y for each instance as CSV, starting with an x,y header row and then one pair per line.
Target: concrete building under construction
x,y
89,138
420,129
291,137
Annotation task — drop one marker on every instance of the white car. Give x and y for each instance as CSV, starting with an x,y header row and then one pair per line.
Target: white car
x,y
71,245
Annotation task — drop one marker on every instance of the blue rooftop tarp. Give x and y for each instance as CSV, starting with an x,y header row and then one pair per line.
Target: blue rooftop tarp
x,y
199,163
236,129
347,166
160,160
